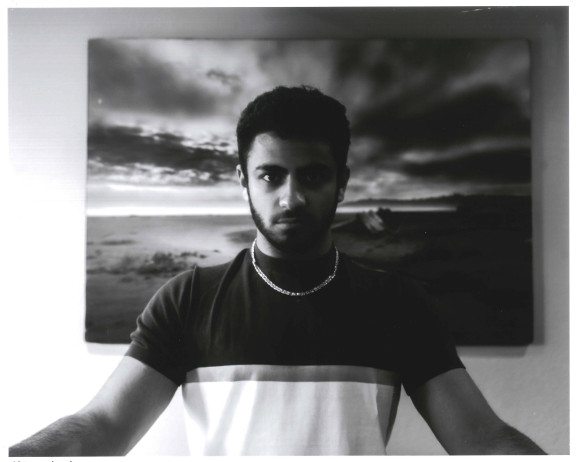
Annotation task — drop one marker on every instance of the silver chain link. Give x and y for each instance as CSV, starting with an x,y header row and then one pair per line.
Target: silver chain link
x,y
288,292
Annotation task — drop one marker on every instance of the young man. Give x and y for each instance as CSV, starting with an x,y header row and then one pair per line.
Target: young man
x,y
291,348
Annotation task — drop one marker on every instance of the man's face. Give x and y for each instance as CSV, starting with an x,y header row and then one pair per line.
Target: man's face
x,y
293,191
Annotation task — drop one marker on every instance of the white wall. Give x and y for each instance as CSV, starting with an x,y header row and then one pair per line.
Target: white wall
x,y
52,371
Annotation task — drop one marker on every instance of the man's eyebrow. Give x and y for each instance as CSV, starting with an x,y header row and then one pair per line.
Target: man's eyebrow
x,y
269,167
315,165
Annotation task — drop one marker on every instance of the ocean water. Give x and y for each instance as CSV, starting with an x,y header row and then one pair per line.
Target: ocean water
x,y
112,238
480,271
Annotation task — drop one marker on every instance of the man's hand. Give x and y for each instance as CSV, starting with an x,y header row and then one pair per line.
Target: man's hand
x,y
463,421
113,422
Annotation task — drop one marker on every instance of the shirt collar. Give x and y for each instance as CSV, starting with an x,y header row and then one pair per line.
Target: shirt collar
x,y
296,274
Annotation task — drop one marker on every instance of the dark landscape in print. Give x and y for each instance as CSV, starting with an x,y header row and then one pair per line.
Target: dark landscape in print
x,y
440,160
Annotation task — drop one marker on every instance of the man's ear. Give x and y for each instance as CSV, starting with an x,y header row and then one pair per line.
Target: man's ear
x,y
343,183
243,181
241,176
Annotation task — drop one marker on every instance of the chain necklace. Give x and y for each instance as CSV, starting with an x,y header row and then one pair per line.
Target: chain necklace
x,y
288,292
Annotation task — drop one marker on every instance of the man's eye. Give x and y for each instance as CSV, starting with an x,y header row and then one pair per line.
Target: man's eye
x,y
313,178
270,177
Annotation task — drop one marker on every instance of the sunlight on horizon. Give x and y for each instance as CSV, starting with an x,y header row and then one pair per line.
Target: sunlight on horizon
x,y
121,211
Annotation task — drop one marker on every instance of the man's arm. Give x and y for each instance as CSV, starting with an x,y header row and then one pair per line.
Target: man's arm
x,y
462,420
113,422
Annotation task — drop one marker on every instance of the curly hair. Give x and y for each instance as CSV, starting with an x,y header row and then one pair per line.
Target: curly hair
x,y
295,113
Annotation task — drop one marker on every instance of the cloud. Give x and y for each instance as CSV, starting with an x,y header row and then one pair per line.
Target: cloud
x,y
459,101
408,94
125,76
485,161
426,115
498,166
419,72
482,111
230,80
128,154
146,174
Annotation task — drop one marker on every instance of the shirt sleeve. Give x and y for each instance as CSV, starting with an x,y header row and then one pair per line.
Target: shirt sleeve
x,y
427,348
158,338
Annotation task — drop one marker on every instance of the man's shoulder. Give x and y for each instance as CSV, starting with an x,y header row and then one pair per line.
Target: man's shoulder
x,y
222,268
205,273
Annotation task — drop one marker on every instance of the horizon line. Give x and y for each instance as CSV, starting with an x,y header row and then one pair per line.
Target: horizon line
x,y
236,211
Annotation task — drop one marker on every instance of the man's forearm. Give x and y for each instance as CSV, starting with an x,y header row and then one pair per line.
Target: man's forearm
x,y
74,435
508,441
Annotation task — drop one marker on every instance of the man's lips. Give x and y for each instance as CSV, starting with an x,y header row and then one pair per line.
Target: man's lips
x,y
290,220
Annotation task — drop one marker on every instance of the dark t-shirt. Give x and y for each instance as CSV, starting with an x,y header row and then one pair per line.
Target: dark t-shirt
x,y
208,328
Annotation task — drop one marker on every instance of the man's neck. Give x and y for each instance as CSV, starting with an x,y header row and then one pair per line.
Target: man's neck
x,y
269,249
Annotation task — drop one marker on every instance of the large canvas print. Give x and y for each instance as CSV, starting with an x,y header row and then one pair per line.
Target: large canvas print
x,y
440,159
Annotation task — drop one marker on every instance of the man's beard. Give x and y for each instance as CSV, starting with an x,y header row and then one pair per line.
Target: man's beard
x,y
295,241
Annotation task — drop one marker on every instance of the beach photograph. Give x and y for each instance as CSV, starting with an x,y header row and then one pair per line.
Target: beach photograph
x,y
440,186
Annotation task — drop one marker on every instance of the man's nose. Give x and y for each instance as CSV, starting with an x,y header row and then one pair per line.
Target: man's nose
x,y
292,195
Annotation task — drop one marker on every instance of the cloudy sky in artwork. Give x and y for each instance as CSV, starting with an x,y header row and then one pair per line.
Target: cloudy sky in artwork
x,y
429,117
